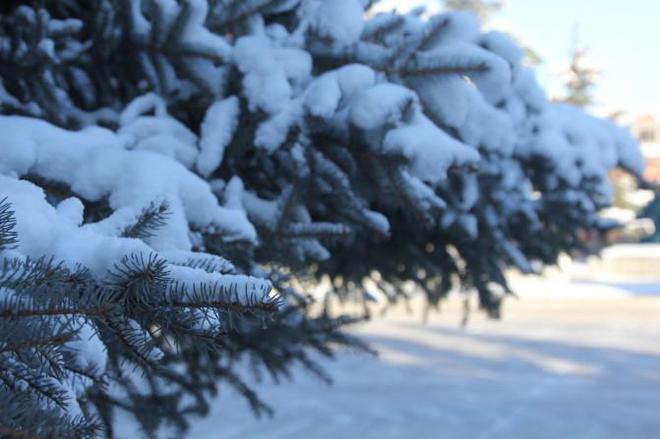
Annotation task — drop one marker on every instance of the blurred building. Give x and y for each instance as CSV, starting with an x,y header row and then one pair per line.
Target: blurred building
x,y
646,128
630,201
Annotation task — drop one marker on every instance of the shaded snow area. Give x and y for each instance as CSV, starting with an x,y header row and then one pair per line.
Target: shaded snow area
x,y
584,367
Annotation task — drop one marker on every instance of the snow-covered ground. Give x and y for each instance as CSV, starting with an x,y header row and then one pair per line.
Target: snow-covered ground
x,y
574,366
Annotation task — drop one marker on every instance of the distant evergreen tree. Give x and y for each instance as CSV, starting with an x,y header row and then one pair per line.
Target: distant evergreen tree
x,y
580,77
177,176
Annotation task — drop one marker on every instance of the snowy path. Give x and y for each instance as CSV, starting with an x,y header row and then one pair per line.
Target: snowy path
x,y
574,368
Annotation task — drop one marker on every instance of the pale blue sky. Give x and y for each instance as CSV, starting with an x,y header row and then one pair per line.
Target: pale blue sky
x,y
622,35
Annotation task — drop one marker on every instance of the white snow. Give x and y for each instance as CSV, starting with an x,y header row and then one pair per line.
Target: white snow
x,y
355,77
262,211
267,70
140,105
195,35
501,44
381,105
456,26
159,133
430,150
338,20
272,133
551,368
46,231
90,349
486,126
94,164
490,73
323,96
240,288
378,221
445,96
140,26
217,130
581,146
265,83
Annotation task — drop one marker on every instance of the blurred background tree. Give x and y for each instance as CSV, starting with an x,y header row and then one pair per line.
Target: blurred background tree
x,y
581,75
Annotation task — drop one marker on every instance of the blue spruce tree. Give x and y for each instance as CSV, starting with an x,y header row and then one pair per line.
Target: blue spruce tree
x,y
177,175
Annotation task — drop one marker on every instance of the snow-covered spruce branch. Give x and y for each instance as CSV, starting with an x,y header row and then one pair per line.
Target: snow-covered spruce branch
x,y
77,320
